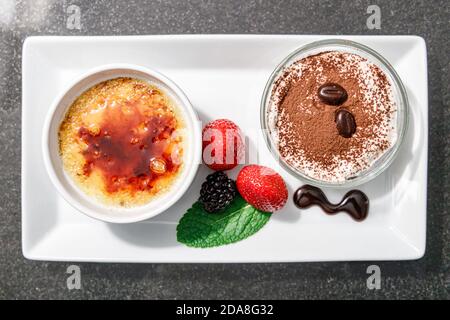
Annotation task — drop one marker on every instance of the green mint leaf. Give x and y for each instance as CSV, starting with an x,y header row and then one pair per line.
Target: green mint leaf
x,y
198,228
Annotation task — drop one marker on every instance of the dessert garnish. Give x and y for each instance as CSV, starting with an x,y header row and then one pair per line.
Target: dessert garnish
x,y
217,192
262,187
223,145
201,229
229,211
345,123
355,202
332,94
233,220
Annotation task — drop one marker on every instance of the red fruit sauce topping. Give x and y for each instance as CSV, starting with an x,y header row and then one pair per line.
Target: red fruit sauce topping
x,y
131,149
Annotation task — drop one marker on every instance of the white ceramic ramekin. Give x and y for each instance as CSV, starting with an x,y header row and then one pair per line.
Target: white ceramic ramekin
x,y
65,185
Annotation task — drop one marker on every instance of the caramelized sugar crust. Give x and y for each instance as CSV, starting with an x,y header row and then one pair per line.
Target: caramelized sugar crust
x,y
121,142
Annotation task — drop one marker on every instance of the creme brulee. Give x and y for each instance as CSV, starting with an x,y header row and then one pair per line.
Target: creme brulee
x,y
121,142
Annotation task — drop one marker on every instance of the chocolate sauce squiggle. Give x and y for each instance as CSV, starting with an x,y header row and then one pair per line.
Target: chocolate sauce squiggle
x,y
355,202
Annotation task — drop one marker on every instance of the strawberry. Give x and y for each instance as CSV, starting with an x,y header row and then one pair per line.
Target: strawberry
x,y
262,187
223,146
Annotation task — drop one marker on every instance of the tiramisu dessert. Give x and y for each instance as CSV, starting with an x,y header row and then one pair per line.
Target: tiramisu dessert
x,y
332,115
121,142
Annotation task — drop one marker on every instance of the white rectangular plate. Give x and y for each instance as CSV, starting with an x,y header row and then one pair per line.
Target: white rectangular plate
x,y
224,76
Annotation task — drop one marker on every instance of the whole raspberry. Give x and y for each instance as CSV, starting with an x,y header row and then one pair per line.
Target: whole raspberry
x,y
223,145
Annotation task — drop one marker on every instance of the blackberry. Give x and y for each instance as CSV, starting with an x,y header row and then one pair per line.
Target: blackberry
x,y
217,192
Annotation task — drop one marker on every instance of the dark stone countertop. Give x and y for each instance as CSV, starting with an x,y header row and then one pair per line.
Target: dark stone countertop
x,y
425,278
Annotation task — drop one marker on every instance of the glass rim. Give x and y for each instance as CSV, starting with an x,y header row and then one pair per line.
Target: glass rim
x,y
385,160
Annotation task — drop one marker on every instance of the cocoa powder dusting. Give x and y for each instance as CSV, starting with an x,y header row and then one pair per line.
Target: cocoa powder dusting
x,y
306,129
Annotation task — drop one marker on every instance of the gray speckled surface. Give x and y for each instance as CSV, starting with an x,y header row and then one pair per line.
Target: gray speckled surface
x,y
425,278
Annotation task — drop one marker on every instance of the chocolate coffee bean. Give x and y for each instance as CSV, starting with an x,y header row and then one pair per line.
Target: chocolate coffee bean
x,y
345,123
332,94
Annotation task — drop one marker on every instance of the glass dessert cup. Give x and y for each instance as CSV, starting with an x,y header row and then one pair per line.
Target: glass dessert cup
x,y
399,94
